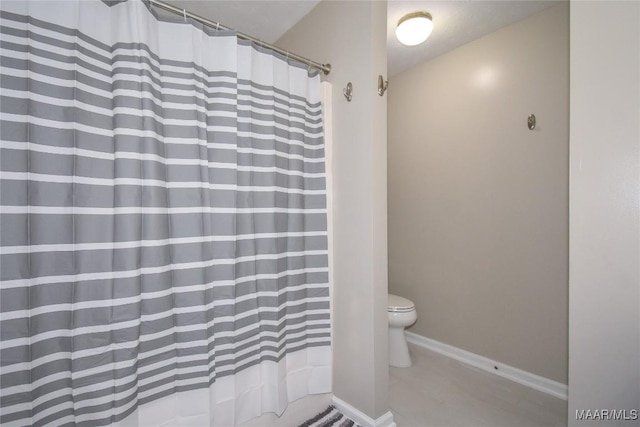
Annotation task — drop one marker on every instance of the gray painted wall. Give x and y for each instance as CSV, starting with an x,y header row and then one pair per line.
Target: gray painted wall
x,y
352,37
604,314
478,204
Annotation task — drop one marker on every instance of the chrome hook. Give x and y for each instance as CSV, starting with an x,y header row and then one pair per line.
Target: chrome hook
x,y
383,85
348,92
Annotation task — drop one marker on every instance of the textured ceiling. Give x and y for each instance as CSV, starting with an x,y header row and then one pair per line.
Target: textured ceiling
x,y
456,22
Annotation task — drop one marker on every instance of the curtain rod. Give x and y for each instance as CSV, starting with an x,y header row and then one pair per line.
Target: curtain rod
x,y
325,68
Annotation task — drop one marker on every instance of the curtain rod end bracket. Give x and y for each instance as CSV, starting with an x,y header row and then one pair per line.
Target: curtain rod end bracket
x,y
326,69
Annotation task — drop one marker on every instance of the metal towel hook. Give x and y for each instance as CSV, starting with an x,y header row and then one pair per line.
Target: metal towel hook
x,y
383,85
348,92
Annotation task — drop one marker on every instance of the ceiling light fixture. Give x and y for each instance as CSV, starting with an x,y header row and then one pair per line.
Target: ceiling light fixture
x,y
414,28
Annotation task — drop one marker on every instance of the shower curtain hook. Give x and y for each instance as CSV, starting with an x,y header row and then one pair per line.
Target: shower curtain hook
x,y
184,14
217,26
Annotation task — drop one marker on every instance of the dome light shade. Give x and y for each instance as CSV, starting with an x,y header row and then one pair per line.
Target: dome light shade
x,y
414,28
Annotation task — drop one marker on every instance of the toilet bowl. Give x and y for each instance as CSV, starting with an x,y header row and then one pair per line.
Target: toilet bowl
x,y
401,313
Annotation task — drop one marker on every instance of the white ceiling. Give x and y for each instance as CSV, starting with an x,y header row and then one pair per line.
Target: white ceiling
x,y
264,19
456,22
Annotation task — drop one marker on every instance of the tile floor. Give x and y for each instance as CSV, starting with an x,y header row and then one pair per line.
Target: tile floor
x,y
441,392
438,391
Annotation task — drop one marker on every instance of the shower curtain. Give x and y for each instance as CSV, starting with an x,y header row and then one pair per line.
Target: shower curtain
x,y
162,221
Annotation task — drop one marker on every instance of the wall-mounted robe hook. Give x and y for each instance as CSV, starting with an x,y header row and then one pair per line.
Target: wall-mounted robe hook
x,y
348,91
531,121
383,85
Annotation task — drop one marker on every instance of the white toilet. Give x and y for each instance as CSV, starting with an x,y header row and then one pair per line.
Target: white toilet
x,y
402,313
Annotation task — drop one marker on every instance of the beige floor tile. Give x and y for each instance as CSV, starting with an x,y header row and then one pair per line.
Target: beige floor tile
x,y
402,421
545,402
438,391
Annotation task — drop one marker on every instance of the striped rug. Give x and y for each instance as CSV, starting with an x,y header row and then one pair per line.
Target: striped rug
x,y
330,417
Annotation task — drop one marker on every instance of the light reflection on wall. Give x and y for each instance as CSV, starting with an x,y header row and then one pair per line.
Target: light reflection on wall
x,y
486,77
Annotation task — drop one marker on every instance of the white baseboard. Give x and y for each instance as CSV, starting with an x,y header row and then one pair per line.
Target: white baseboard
x,y
534,381
360,417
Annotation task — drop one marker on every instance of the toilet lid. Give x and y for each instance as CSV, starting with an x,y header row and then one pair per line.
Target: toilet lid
x,y
399,304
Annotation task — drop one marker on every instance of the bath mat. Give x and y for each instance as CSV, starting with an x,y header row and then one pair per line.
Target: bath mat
x,y
330,417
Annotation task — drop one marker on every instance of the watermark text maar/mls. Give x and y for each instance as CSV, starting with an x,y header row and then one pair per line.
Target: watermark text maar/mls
x,y
606,414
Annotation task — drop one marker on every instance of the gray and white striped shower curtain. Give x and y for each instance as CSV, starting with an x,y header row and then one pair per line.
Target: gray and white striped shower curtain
x,y
163,221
